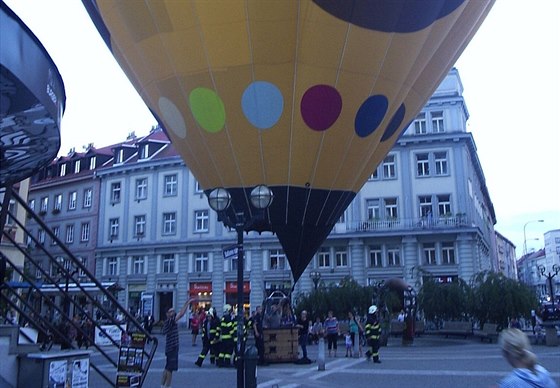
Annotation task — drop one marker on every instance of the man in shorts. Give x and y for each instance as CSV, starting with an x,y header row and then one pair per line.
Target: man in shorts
x,y
171,331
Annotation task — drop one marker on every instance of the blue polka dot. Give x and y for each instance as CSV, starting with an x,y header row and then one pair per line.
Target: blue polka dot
x,y
262,104
394,124
370,115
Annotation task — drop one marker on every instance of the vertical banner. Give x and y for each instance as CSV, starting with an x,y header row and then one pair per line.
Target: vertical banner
x,y
131,359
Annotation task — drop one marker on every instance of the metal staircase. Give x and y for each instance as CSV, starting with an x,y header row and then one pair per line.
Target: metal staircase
x,y
28,298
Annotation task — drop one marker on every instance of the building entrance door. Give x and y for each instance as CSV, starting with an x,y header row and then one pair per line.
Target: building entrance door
x,y
165,303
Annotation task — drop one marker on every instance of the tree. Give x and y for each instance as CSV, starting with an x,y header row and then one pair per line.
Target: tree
x,y
444,301
497,299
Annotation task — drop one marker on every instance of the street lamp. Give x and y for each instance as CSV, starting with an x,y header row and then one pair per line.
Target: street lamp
x,y
525,235
315,276
220,200
549,276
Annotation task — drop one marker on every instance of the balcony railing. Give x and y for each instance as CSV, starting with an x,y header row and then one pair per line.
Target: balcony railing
x,y
391,224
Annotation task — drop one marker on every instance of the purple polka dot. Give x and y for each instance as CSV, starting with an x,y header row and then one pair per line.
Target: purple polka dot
x,y
320,107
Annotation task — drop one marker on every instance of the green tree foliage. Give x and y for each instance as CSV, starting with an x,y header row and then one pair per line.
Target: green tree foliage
x,y
496,299
347,296
444,301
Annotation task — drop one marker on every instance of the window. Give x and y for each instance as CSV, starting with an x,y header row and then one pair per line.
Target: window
x,y
373,209
84,233
41,236
374,175
32,204
120,156
440,159
144,151
420,124
197,188
56,232
56,269
342,218
63,169
429,253
341,257
201,221
375,258
112,266
437,122
69,234
425,205
72,199
141,188
139,225
58,202
92,162
393,257
170,185
113,228
391,210
444,205
277,259
77,166
200,262
169,223
44,204
168,263
324,258
88,196
84,263
138,265
115,192
11,211
389,167
447,253
422,164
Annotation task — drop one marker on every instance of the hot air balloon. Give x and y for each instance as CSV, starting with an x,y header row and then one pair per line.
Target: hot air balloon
x,y
306,97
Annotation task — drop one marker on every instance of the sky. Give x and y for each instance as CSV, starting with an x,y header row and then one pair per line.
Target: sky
x,y
510,73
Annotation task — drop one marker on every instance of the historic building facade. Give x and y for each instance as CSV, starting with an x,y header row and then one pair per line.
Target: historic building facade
x,y
425,211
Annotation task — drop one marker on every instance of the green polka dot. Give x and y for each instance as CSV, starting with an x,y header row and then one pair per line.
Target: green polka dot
x,y
208,109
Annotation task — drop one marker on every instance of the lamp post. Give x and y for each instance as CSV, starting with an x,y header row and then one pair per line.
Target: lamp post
x,y
525,235
315,276
549,276
219,200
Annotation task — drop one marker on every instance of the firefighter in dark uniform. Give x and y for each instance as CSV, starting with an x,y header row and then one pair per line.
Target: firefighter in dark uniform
x,y
209,337
226,335
373,331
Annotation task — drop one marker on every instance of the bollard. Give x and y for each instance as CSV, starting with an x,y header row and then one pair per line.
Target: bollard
x,y
251,357
321,355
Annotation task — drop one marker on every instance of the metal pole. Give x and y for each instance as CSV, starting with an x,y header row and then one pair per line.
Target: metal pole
x,y
240,325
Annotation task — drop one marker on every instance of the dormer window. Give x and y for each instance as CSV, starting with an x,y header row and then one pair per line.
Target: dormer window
x,y
92,162
145,151
120,156
77,166
63,169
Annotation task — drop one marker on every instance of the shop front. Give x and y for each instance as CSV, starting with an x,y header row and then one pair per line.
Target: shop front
x,y
135,298
203,292
231,294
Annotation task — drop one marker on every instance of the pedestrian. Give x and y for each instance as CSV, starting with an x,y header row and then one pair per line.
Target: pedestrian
x,y
373,331
259,335
348,344
400,317
354,327
87,328
209,329
149,324
303,336
333,331
517,352
171,331
533,320
317,330
226,334
195,324
514,324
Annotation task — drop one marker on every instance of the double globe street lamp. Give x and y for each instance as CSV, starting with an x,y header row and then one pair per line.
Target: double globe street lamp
x,y
240,219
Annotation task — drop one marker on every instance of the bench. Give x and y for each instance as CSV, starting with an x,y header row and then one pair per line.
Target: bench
x,y
488,332
396,328
419,328
456,328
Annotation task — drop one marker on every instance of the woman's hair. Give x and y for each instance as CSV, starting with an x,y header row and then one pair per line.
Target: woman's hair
x,y
515,344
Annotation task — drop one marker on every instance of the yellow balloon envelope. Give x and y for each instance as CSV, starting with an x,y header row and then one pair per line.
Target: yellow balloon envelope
x,y
304,96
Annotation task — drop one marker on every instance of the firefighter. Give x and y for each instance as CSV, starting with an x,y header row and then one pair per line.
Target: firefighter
x,y
373,331
209,337
226,335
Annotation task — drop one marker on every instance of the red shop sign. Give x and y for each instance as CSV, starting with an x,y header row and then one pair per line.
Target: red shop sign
x,y
195,288
231,287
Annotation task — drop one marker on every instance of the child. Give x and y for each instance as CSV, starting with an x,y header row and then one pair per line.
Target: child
x,y
348,342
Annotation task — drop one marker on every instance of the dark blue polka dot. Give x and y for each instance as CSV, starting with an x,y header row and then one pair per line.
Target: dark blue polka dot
x,y
394,124
370,115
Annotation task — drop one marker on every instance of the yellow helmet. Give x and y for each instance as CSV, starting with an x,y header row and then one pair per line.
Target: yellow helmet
x,y
227,308
372,309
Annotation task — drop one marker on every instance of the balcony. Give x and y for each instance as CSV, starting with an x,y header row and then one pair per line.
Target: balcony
x,y
422,223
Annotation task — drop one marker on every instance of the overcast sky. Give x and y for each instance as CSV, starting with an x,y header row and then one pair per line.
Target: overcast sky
x,y
510,73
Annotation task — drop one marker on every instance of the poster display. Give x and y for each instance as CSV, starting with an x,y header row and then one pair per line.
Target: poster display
x,y
57,374
80,373
131,359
